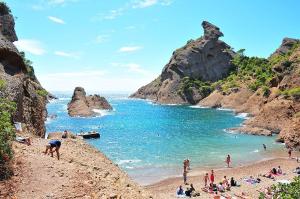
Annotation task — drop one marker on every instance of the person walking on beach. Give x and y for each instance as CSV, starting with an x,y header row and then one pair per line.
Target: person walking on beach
x,y
290,152
206,179
228,160
184,165
265,147
185,177
212,176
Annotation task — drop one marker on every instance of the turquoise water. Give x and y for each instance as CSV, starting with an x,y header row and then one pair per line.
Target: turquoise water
x,y
150,141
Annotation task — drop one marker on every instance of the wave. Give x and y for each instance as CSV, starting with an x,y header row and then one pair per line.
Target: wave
x,y
230,131
243,115
198,106
120,162
102,112
225,109
64,98
255,151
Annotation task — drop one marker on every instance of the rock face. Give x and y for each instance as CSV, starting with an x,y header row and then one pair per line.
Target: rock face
x,y
205,59
275,113
83,106
19,87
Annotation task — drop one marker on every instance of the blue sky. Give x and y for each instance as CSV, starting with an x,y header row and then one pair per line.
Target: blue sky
x,y
120,45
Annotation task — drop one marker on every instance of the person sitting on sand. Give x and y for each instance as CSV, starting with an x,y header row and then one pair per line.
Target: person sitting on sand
x,y
179,191
269,175
233,182
279,170
297,170
228,160
64,134
23,140
221,188
226,183
206,179
53,144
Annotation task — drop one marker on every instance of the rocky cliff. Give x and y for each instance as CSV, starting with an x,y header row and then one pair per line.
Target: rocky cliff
x,y
84,106
16,82
269,91
184,79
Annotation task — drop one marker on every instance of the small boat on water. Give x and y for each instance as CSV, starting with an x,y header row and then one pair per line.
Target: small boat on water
x,y
89,135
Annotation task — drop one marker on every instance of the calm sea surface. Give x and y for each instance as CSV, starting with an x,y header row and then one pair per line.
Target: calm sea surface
x,y
150,141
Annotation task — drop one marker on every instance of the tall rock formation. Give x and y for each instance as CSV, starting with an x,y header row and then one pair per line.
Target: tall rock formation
x,y
18,86
84,106
204,59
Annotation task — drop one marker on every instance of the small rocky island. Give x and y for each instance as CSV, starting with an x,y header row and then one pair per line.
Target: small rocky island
x,y
83,106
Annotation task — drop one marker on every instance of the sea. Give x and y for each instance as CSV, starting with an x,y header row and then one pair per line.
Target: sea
x,y
150,141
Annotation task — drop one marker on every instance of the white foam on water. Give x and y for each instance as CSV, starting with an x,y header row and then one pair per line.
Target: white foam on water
x,y
243,115
224,109
198,106
64,98
255,151
120,162
230,131
172,104
102,113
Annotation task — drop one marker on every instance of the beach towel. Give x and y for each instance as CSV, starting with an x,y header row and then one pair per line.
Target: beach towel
x,y
250,180
284,181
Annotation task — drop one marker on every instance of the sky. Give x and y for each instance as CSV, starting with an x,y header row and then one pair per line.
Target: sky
x,y
120,45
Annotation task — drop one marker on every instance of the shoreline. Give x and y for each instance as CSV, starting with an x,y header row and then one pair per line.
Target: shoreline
x,y
166,188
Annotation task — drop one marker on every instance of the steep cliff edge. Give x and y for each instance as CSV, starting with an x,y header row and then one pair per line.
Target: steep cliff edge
x,y
16,82
83,106
185,79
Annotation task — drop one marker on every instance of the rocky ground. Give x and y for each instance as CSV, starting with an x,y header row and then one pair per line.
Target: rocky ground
x,y
82,172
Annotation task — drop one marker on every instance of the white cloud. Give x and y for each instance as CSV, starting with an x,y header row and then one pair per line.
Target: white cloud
x,y
130,48
114,14
102,38
148,3
133,67
66,54
30,45
56,20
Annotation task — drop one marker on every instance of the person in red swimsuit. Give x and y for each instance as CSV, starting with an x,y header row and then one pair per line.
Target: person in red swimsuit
x,y
212,176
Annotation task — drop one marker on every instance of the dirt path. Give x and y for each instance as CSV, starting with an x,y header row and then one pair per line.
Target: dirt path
x,y
82,172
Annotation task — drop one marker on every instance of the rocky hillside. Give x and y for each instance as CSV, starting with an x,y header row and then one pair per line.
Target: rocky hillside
x,y
17,80
83,106
186,78
268,89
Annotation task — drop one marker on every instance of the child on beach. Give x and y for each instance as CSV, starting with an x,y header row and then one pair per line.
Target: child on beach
x,y
206,179
179,191
228,160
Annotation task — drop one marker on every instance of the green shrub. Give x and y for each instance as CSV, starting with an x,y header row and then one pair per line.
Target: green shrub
x,y
293,92
2,84
28,64
187,85
7,135
42,92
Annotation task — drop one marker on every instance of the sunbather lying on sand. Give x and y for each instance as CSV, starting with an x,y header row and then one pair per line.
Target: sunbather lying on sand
x,y
23,140
53,144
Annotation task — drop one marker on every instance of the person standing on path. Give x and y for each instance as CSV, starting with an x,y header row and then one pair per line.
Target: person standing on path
x,y
290,152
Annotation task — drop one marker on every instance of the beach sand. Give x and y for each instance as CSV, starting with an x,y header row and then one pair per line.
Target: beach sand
x,y
167,188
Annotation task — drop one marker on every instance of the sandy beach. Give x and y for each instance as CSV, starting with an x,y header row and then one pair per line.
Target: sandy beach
x,y
167,188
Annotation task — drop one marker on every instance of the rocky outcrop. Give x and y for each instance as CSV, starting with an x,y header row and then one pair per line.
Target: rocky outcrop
x,y
18,86
84,106
275,113
204,59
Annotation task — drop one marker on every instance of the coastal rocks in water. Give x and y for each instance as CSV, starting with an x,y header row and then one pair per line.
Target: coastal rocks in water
x,y
252,131
201,60
19,87
83,106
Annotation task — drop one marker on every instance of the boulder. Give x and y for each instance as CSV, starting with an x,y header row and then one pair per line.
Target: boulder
x,y
83,106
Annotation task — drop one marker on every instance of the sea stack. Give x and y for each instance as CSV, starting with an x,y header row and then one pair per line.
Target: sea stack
x,y
83,106
206,59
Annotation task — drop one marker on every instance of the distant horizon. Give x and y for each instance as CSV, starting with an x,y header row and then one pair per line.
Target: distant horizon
x,y
123,45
